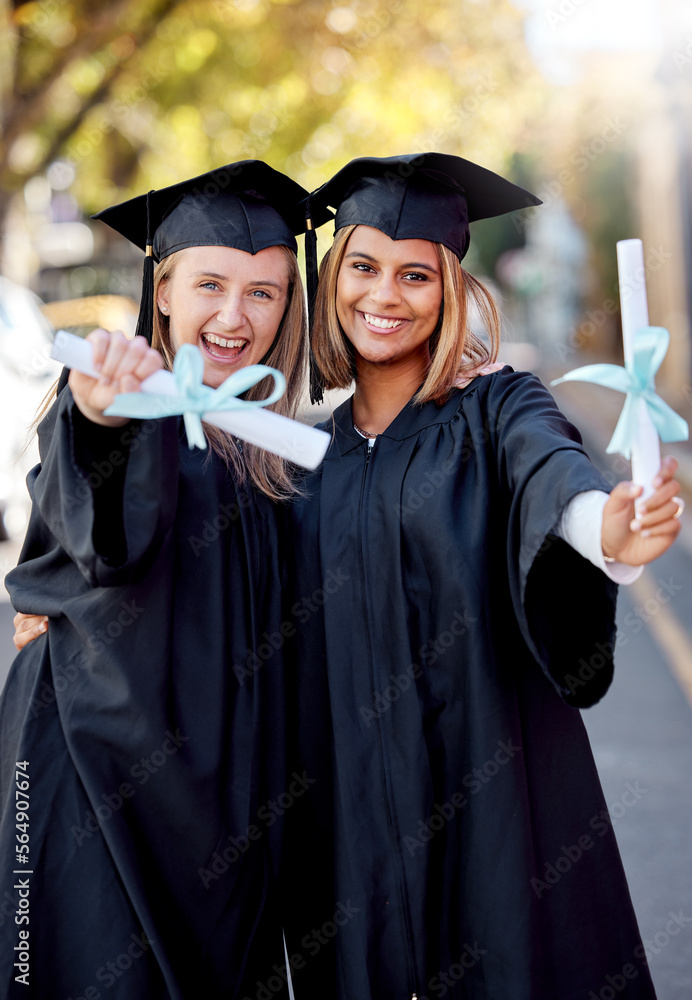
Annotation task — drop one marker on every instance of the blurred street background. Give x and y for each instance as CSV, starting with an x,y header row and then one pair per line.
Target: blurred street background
x,y
588,103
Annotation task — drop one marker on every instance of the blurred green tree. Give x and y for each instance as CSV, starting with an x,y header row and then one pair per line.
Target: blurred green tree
x,y
139,93
60,59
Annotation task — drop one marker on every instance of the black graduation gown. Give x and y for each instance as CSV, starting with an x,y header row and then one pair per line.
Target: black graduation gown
x,y
455,842
150,716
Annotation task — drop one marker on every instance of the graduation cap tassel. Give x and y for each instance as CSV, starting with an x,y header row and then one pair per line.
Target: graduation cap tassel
x,y
145,320
316,388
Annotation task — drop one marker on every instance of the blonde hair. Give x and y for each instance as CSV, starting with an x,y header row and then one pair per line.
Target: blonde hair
x,y
271,474
289,353
454,349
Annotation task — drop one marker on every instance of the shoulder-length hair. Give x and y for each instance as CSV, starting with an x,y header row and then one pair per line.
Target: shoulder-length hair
x,y
269,473
454,348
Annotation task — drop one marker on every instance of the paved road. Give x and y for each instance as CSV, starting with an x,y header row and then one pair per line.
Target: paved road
x,y
641,735
6,648
9,553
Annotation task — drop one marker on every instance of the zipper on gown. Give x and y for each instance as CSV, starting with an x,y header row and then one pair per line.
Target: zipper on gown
x,y
403,888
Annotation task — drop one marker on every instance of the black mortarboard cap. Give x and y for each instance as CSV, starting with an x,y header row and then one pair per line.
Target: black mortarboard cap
x,y
245,205
426,196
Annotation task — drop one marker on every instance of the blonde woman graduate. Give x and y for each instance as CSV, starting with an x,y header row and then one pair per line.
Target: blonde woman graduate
x,y
466,554
152,751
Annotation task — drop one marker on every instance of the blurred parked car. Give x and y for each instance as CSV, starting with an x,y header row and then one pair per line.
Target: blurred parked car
x,y
27,373
111,312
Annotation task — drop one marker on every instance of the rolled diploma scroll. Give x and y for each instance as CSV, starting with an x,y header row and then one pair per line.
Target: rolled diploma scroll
x,y
634,310
296,442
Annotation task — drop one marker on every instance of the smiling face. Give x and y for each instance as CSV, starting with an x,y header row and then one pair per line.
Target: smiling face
x,y
227,302
388,296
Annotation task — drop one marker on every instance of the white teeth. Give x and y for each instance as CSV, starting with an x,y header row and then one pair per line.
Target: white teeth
x,y
213,339
384,324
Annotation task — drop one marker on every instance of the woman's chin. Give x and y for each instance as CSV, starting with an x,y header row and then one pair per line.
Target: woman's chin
x,y
383,355
215,374
376,353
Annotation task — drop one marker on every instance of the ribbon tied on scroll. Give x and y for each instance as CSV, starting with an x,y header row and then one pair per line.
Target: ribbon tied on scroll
x,y
195,399
636,379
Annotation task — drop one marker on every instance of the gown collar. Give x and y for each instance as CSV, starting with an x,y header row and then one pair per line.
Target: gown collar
x,y
410,421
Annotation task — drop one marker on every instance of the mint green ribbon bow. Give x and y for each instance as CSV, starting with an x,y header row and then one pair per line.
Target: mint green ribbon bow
x,y
636,379
195,398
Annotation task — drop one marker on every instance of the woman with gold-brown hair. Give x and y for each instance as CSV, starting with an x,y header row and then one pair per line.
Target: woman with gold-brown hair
x,y
465,550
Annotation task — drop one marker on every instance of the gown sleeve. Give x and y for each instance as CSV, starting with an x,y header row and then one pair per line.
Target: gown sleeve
x,y
581,526
565,606
107,495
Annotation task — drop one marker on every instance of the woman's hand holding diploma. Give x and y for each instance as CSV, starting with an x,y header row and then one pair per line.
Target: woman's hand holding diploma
x,y
638,535
122,364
